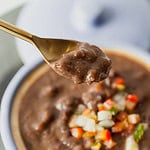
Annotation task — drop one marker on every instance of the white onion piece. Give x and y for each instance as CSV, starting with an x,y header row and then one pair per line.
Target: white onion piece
x,y
99,127
90,125
120,100
131,144
104,115
107,123
73,121
81,120
134,118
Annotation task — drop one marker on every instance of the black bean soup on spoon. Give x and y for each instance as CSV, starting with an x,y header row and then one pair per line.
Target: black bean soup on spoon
x,y
86,63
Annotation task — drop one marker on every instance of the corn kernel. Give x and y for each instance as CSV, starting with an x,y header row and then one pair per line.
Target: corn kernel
x,y
120,87
96,146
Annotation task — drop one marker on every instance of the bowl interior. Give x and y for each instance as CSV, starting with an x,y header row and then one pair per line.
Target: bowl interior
x,y
30,79
24,83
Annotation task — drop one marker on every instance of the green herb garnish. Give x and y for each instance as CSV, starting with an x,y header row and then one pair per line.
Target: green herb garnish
x,y
77,112
139,132
113,111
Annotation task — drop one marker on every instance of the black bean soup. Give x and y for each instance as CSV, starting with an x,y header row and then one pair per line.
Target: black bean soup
x,y
56,114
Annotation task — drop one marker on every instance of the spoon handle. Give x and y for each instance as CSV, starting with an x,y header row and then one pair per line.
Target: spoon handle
x,y
11,29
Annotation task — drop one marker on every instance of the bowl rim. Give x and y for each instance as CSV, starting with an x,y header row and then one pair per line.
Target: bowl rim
x,y
19,77
7,100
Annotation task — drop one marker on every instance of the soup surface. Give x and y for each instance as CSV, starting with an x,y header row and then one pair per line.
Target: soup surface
x,y
50,103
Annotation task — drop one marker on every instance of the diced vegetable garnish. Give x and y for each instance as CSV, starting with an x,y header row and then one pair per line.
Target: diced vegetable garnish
x,y
119,84
120,101
131,144
108,104
78,113
89,134
134,118
113,111
139,132
92,115
113,115
81,120
104,115
77,132
90,125
119,81
120,87
99,127
96,146
133,98
100,107
130,105
103,135
86,112
110,144
107,123
73,121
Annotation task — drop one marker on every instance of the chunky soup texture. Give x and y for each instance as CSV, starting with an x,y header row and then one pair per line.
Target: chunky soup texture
x,y
49,104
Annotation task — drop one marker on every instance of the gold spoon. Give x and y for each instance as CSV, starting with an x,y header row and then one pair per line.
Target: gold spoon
x,y
51,49
92,68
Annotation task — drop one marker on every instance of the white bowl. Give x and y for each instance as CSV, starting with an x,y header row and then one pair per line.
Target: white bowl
x,y
17,80
6,104
122,20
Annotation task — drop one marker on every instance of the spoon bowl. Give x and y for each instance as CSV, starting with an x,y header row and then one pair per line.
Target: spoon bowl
x,y
53,49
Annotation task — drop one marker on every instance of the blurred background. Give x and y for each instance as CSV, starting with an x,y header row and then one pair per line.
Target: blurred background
x,y
123,24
